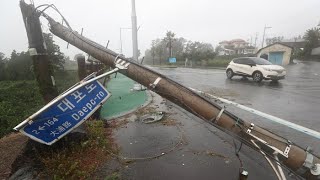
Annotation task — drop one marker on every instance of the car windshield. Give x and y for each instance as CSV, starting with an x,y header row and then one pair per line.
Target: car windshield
x,y
260,61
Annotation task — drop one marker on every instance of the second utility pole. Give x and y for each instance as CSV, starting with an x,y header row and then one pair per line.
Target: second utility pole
x,y
134,31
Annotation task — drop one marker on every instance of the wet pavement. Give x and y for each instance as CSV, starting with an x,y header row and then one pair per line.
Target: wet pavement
x,y
296,98
193,149
189,148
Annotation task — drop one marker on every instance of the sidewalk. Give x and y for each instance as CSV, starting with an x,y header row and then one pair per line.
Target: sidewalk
x,y
122,99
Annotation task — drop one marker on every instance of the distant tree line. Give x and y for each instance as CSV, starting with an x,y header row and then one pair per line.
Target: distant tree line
x,y
312,37
19,66
171,46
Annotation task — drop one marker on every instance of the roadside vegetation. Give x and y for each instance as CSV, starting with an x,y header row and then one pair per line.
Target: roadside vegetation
x,y
81,159
312,37
203,55
19,92
198,54
21,98
18,100
74,157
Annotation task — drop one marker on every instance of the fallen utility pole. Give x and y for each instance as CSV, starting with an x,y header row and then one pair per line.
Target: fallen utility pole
x,y
38,53
295,158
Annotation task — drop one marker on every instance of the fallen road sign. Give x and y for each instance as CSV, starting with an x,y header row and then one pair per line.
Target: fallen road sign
x,y
67,113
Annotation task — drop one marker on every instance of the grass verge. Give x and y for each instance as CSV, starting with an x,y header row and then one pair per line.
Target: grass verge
x,y
18,100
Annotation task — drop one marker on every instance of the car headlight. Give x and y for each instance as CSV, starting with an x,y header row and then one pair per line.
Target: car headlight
x,y
267,69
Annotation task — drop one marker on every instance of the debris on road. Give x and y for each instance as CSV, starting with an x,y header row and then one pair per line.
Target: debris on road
x,y
152,117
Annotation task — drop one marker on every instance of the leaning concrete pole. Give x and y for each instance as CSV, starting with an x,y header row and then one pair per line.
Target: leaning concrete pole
x,y
134,31
295,158
38,53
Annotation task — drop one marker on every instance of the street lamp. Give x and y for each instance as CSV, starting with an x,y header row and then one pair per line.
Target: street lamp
x,y
121,39
134,30
264,33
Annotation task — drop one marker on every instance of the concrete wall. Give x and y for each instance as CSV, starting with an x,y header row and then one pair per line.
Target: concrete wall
x,y
315,51
278,48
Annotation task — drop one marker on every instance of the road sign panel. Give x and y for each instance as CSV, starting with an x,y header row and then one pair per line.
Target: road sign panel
x,y
66,114
172,60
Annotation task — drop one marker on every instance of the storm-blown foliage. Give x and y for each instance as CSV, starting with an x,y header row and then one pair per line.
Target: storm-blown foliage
x,y
19,94
312,36
180,48
19,66
56,57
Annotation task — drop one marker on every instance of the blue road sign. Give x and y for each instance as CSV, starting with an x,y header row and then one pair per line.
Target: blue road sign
x,y
66,114
172,60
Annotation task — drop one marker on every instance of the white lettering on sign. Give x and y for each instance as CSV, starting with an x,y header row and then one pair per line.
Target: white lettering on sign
x,y
54,133
90,87
61,129
35,131
78,96
66,124
65,105
50,122
75,116
93,102
84,109
88,107
99,95
41,128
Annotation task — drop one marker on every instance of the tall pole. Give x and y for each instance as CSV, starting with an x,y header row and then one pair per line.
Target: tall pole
x,y
255,40
134,31
121,39
120,42
264,33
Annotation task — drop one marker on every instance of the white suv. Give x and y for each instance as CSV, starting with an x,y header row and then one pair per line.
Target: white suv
x,y
255,67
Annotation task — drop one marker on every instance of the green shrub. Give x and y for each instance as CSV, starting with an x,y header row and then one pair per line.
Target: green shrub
x,y
18,100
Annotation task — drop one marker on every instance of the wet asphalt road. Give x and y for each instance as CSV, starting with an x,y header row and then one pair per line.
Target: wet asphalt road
x,y
296,98
203,152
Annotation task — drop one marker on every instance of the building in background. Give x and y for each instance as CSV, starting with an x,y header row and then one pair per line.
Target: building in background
x,y
277,53
235,46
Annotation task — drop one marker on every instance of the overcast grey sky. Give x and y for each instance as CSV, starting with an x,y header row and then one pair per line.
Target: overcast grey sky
x,y
197,20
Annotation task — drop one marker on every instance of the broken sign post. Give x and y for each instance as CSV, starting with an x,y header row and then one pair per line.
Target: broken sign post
x,y
68,110
66,114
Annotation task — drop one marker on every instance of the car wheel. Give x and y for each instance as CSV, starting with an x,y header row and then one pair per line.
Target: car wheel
x,y
257,76
229,73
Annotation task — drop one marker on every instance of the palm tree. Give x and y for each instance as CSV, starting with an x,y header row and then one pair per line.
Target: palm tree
x,y
312,37
168,39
